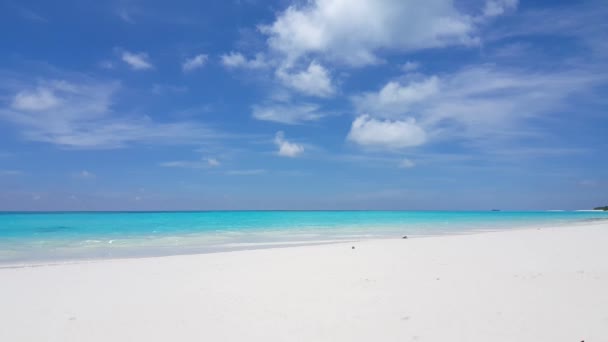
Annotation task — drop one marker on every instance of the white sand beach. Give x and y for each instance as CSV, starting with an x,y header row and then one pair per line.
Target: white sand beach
x,y
522,285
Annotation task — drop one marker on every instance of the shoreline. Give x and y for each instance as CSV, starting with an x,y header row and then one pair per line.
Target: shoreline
x,y
198,250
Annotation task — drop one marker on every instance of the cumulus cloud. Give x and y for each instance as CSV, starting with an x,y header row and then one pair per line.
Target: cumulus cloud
x,y
287,113
474,103
308,39
79,114
195,62
396,98
370,132
137,61
313,81
286,148
353,31
238,60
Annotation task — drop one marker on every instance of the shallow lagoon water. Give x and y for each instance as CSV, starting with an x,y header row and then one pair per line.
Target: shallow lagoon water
x,y
51,237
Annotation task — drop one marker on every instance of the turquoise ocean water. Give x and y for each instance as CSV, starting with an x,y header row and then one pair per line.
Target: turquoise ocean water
x,y
52,237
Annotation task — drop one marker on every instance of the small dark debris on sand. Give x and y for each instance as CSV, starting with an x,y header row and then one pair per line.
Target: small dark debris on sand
x,y
404,237
353,247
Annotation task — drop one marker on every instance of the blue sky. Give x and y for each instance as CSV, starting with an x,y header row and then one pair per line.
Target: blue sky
x,y
320,104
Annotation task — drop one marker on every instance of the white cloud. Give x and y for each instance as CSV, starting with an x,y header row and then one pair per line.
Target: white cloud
x,y
233,60
486,101
370,132
475,103
397,98
287,113
406,164
410,66
498,7
137,61
314,80
35,100
286,148
582,20
309,38
79,114
353,31
195,62
238,60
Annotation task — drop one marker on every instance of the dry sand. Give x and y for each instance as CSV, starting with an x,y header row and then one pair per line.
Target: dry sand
x,y
524,285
